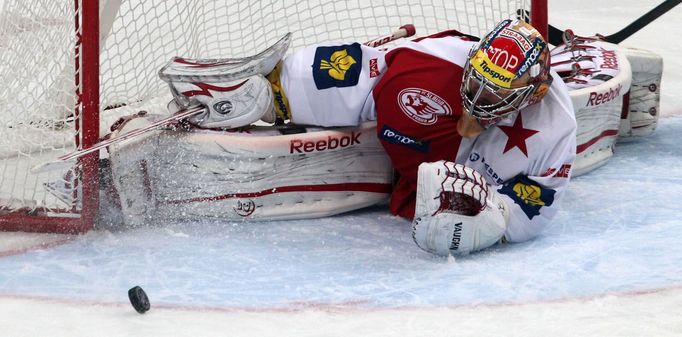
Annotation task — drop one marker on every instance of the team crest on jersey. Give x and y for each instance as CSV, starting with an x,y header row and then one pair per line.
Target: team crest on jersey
x,y
528,194
422,106
337,66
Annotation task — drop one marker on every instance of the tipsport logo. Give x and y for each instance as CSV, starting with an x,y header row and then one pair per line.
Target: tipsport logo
x,y
337,66
496,74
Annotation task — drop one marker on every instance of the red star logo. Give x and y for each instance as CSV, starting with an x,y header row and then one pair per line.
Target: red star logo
x,y
517,135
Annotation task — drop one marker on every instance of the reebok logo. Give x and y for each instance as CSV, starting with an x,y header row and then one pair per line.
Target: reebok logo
x,y
307,146
610,59
603,97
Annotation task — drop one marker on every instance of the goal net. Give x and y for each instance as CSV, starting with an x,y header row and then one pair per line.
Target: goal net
x,y
70,68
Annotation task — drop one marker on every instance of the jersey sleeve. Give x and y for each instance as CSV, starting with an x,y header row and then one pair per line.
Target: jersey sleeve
x,y
535,198
331,84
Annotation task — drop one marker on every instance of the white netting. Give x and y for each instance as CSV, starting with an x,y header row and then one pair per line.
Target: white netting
x,y
38,43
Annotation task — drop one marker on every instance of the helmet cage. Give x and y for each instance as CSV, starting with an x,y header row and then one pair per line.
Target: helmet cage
x,y
506,101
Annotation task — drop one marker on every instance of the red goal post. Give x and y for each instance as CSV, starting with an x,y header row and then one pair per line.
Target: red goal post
x,y
69,68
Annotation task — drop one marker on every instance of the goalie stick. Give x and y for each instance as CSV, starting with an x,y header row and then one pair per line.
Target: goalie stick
x,y
404,31
642,22
181,115
555,34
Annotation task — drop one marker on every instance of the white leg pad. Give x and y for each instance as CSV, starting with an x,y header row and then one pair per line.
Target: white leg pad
x,y
645,94
257,173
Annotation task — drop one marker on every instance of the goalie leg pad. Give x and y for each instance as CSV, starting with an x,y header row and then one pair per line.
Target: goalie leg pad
x,y
599,86
456,212
130,170
258,173
645,93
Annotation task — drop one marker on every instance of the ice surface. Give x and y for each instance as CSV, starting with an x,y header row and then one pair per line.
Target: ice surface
x,y
609,265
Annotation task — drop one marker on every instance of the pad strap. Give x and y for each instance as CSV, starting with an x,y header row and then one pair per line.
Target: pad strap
x,y
281,101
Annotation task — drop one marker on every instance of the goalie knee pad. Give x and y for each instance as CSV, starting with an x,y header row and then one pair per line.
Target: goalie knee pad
x,y
229,104
234,90
456,212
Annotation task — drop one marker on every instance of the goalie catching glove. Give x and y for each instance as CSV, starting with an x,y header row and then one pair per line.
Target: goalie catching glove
x,y
456,211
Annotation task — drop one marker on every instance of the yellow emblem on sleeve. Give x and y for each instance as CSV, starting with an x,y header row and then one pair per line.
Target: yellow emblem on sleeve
x,y
338,64
530,194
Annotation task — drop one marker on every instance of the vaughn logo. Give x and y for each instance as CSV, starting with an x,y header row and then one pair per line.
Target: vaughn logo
x,y
422,106
456,237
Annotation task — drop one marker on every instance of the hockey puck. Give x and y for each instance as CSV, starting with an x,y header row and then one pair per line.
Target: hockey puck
x,y
139,300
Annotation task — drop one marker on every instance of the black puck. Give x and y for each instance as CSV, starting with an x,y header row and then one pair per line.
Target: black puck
x,y
139,300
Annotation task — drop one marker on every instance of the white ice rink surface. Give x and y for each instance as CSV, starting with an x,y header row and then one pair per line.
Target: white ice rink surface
x,y
609,265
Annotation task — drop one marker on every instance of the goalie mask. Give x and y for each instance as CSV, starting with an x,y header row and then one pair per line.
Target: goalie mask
x,y
506,72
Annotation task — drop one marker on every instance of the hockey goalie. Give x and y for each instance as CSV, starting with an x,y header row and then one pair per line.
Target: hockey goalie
x,y
473,141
